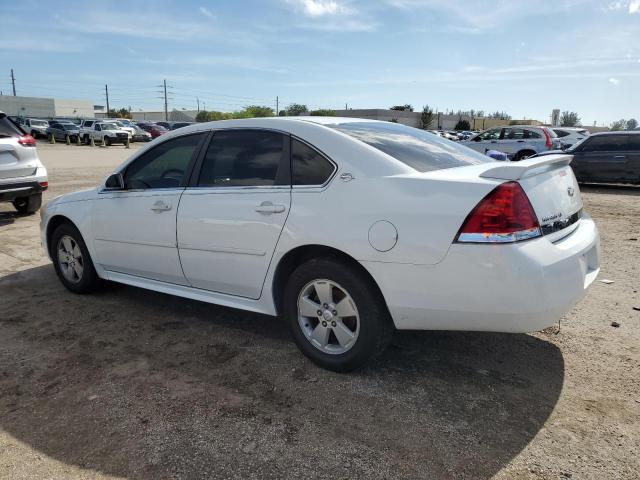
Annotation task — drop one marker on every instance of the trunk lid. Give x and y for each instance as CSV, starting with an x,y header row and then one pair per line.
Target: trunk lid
x,y
552,189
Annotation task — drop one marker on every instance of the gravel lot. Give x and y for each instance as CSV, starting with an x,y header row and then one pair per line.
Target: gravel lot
x,y
133,384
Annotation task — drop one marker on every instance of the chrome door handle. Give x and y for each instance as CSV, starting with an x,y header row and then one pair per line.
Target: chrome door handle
x,y
160,206
268,207
619,156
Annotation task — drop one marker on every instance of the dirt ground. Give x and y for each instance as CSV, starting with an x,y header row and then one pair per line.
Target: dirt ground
x,y
133,384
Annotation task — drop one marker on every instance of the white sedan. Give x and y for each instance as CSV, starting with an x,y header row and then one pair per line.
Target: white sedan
x,y
348,228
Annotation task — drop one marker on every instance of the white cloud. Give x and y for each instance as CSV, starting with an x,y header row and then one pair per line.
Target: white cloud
x,y
319,8
331,15
634,6
614,81
206,12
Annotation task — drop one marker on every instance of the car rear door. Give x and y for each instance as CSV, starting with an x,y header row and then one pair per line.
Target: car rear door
x,y
231,215
633,159
485,141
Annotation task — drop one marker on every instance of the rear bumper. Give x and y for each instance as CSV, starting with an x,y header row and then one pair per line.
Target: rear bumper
x,y
11,191
520,287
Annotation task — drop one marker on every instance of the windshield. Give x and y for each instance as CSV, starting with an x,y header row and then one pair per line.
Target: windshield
x,y
38,123
69,126
416,148
109,126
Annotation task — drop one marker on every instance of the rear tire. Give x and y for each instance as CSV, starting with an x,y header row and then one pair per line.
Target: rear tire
x,y
72,261
107,140
341,324
28,205
86,139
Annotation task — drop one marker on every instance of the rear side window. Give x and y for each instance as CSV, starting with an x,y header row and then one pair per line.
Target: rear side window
x,y
416,148
532,134
514,134
606,143
241,158
8,128
309,167
561,133
165,165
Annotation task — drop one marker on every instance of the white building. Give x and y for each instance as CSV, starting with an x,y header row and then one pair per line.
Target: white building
x,y
45,107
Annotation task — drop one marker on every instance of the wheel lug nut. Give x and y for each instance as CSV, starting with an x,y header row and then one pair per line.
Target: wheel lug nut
x,y
324,324
325,305
333,324
335,313
319,313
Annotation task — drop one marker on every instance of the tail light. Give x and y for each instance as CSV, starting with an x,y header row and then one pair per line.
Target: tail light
x,y
44,185
504,215
27,141
547,138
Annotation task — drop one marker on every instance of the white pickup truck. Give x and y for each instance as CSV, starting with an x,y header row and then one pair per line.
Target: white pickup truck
x,y
99,130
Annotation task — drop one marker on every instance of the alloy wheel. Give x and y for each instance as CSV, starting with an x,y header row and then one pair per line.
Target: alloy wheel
x,y
70,259
328,316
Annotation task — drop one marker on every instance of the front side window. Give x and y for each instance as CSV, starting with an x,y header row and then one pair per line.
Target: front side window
x,y
493,134
308,166
240,158
88,124
416,148
164,166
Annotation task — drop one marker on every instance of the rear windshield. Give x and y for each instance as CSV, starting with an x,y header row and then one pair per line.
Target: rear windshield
x,y
38,123
418,149
8,128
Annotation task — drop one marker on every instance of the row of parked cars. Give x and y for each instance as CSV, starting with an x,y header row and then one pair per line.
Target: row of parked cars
x,y
107,130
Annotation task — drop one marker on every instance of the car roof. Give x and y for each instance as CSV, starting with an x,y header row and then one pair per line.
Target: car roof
x,y
621,132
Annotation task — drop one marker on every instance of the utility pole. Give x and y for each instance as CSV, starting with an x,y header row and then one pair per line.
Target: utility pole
x,y
198,100
106,94
277,105
13,82
166,114
164,96
346,107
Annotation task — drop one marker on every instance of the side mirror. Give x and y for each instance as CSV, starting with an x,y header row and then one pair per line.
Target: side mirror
x,y
114,182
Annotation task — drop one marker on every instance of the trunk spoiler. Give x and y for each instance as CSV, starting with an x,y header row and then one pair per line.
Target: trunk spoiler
x,y
528,167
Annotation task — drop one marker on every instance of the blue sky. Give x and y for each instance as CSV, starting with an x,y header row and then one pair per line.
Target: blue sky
x,y
521,56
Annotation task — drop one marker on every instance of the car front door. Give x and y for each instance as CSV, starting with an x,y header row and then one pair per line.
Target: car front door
x,y
602,158
633,159
232,213
135,228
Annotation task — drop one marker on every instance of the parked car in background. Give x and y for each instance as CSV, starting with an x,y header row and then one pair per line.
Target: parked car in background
x,y
153,129
570,136
23,177
139,135
60,131
607,157
34,126
233,213
518,142
175,125
166,125
105,131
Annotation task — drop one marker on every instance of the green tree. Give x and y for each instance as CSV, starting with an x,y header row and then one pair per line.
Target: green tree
x,y
569,119
402,108
252,111
202,116
282,113
323,112
426,117
632,124
462,125
296,109
619,125
500,115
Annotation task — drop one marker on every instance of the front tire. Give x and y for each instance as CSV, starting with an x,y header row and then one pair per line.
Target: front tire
x,y
72,261
107,140
336,315
28,205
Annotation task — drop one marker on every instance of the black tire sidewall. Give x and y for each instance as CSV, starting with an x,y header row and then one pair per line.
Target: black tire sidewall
x,y
375,323
90,279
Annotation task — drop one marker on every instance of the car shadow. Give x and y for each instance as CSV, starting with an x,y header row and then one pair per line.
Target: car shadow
x,y
610,189
7,218
143,385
